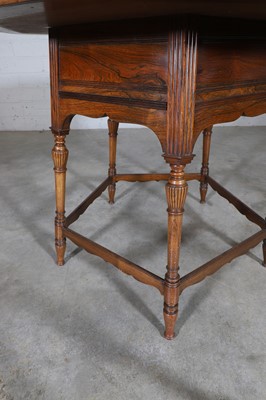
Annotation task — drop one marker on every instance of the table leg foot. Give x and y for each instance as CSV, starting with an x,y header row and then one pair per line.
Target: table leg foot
x,y
60,252
169,321
111,194
203,194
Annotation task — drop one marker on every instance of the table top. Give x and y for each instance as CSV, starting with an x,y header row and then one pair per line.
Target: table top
x,y
36,15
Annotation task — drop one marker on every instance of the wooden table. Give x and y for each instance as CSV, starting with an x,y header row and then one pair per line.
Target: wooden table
x,y
162,65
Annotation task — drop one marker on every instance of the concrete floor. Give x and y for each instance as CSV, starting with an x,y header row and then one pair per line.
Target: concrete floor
x,y
88,332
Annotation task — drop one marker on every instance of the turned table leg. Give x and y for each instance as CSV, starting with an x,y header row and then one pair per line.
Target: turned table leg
x,y
60,156
113,128
205,163
176,191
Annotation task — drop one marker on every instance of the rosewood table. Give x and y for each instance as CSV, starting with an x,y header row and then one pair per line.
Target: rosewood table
x,y
177,68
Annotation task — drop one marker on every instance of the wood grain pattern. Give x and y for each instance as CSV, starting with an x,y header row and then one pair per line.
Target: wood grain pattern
x,y
124,113
125,91
230,78
215,70
134,63
219,111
